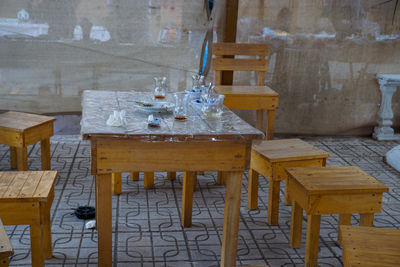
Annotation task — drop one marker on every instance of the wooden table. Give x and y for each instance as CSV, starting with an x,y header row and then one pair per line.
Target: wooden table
x,y
19,130
26,198
330,190
198,144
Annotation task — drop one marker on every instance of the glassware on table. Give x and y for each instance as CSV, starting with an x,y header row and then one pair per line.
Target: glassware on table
x,y
160,88
181,110
212,106
197,83
206,91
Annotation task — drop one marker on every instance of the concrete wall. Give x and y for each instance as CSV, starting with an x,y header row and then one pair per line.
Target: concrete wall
x,y
324,54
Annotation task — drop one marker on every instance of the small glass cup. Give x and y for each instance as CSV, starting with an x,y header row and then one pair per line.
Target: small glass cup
x,y
212,106
181,106
160,87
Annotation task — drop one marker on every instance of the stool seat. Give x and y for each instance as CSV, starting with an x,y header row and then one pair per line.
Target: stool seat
x,y
330,190
270,158
26,198
6,249
19,130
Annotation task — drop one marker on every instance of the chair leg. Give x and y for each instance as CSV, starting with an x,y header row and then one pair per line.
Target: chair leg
x,y
45,217
36,231
149,180
134,176
366,219
22,158
171,176
45,153
189,180
273,202
252,190
270,124
13,157
260,120
344,219
221,179
296,225
116,183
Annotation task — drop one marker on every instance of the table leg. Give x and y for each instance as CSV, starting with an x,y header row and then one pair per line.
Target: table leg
x,y
116,183
22,158
366,219
104,219
270,124
221,178
45,153
296,225
13,157
260,120
189,179
171,176
134,176
344,219
273,202
252,190
312,239
149,180
231,218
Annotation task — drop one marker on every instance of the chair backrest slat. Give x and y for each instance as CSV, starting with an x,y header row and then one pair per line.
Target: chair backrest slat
x,y
225,60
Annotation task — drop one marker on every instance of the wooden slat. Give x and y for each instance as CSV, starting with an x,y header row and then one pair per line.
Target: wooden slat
x,y
38,133
15,187
240,64
46,184
245,90
6,178
11,138
20,122
224,49
252,102
6,248
31,185
336,180
288,149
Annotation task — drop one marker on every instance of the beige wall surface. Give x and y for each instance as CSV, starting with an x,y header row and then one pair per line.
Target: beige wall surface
x,y
324,54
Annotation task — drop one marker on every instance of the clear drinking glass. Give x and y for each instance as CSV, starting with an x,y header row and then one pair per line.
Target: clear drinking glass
x,y
212,106
160,88
181,106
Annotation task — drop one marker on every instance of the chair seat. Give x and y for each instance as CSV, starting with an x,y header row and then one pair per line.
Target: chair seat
x,y
248,97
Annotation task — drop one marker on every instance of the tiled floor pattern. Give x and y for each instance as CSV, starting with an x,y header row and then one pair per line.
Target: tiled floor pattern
x,y
147,230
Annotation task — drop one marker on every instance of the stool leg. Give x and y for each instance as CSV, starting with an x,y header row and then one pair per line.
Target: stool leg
x,y
149,180
260,120
221,177
134,176
313,227
189,180
13,157
4,262
288,201
344,219
296,225
270,124
45,153
273,202
366,219
22,158
171,176
252,190
116,183
45,217
36,232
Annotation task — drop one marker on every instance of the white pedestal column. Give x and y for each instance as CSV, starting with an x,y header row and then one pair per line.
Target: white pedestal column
x,y
388,85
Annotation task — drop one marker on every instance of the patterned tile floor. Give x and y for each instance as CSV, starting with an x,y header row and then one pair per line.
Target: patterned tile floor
x,y
147,229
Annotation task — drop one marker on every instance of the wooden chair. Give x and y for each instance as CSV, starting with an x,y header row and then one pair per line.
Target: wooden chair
x,y
370,246
19,130
258,97
26,198
6,249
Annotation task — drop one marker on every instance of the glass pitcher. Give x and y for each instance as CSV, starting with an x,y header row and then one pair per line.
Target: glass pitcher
x,y
213,105
160,88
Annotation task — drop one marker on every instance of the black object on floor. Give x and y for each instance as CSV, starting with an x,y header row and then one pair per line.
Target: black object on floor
x,y
85,212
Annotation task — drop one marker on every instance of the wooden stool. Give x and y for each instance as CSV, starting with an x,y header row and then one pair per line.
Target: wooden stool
x,y
26,198
370,246
19,130
330,190
148,180
270,158
6,249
